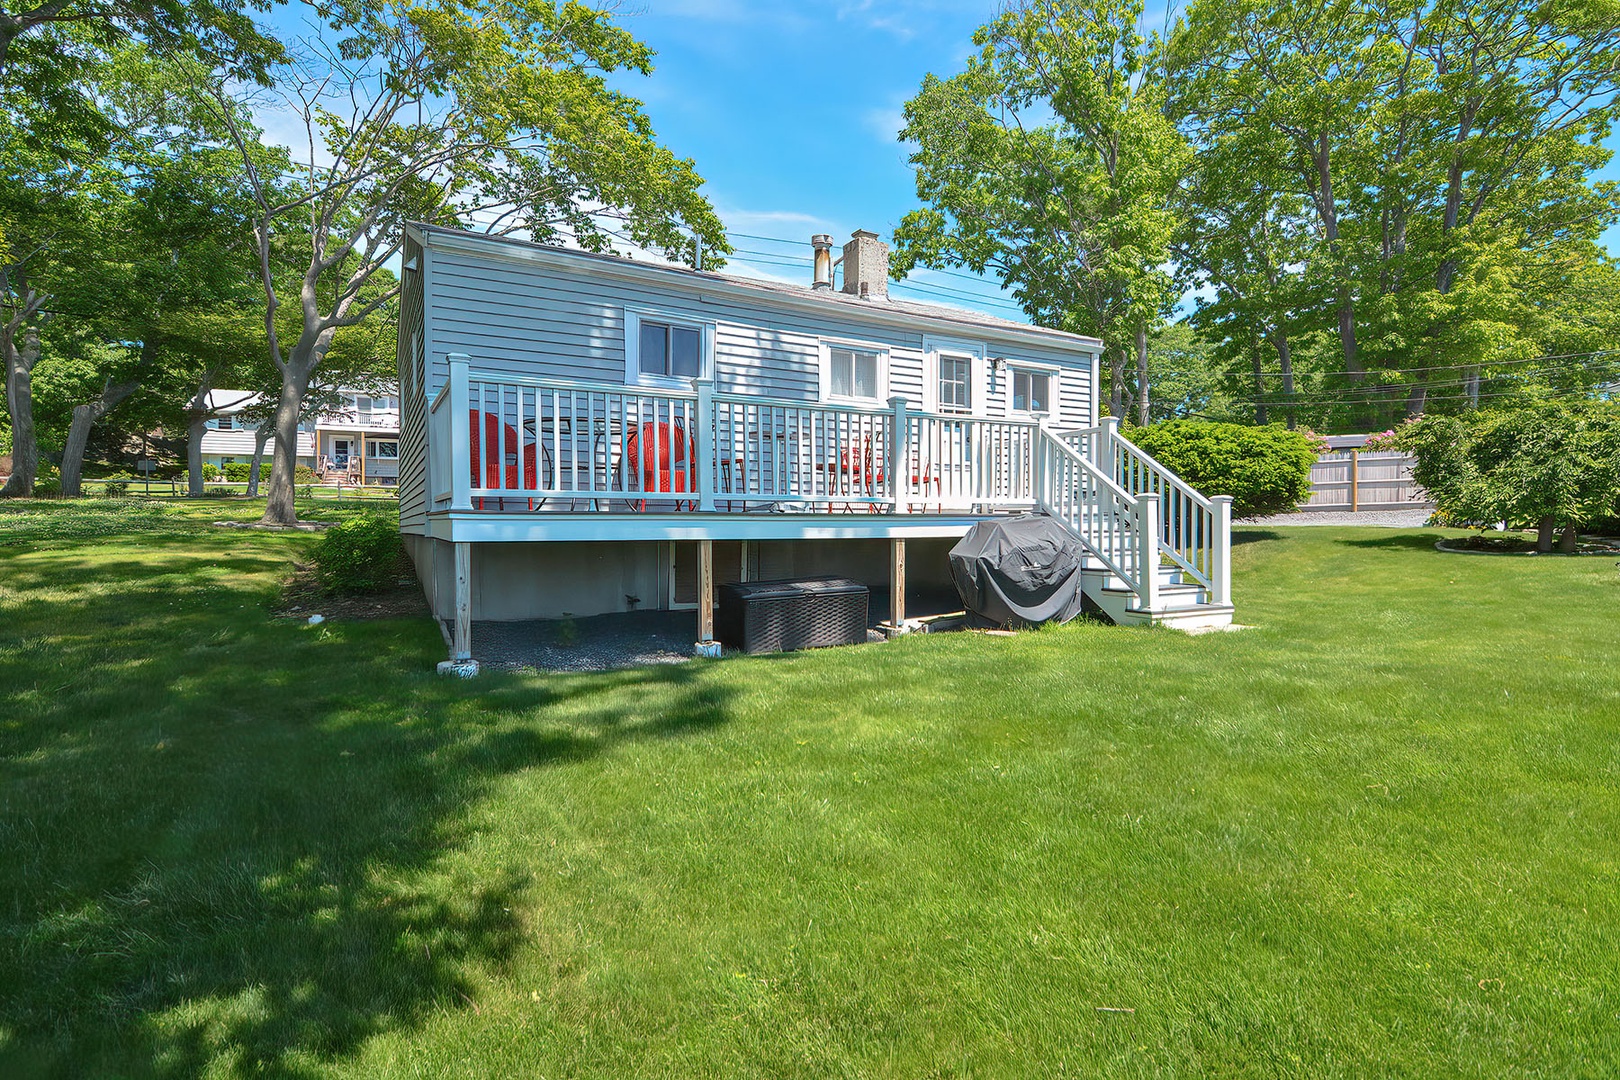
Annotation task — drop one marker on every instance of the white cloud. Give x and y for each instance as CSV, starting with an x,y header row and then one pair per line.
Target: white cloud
x,y
764,221
884,122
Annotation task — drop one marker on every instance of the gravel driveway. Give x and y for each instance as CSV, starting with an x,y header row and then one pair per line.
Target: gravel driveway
x,y
1391,519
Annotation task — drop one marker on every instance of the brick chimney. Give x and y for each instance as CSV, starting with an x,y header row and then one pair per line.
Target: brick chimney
x,y
866,266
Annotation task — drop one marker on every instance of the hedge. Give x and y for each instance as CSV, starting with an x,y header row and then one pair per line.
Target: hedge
x,y
1266,470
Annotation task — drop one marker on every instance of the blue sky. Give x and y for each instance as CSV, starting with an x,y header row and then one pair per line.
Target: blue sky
x,y
791,110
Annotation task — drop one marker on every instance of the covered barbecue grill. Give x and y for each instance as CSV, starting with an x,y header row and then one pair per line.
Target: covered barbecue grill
x,y
1018,571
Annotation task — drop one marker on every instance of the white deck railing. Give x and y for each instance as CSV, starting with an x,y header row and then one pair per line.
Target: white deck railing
x,y
1195,531
509,442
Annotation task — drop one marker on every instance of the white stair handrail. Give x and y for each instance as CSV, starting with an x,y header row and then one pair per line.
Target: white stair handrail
x,y
1195,531
1103,516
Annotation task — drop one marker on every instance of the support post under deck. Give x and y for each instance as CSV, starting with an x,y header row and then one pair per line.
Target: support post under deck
x,y
463,639
706,645
897,583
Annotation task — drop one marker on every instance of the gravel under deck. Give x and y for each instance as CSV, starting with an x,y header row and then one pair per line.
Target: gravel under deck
x,y
637,638
598,643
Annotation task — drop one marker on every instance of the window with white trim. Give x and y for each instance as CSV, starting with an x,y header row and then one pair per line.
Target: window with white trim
x,y
670,349
666,350
955,382
1032,391
854,371
382,448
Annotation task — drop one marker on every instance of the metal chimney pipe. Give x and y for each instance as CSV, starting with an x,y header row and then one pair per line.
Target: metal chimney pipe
x,y
823,261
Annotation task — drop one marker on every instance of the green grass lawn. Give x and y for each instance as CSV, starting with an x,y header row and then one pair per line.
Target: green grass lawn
x,y
1377,836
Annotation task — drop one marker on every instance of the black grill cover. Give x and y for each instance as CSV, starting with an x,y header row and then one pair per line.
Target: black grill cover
x,y
1016,570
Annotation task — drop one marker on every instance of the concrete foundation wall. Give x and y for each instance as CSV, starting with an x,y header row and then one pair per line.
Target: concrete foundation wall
x,y
553,580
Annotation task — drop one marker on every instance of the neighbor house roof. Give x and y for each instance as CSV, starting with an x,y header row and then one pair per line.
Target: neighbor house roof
x,y
796,295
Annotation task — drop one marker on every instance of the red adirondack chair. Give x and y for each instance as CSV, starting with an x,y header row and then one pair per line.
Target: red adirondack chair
x,y
663,454
489,434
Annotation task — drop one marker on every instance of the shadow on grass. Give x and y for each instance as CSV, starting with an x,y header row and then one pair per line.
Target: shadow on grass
x,y
1397,542
223,834
1241,535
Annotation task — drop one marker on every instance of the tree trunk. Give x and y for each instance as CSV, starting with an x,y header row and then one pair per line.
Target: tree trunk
x,y
1347,338
260,437
20,403
1285,358
197,423
279,507
1569,543
1142,379
1472,387
1116,382
1259,390
1416,400
1544,534
84,417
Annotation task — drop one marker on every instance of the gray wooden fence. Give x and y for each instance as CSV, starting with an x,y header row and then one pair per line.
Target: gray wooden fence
x,y
1364,480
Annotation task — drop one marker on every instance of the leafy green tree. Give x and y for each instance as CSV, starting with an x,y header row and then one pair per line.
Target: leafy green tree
x,y
1428,171
1049,161
49,50
483,115
50,210
1553,465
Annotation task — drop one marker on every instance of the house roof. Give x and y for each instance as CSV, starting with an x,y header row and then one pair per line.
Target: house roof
x,y
796,295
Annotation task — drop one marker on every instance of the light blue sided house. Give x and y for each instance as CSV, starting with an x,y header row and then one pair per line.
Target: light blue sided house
x,y
583,434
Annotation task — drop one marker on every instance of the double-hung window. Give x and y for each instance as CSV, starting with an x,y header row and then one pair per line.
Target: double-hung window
x,y
955,383
1031,391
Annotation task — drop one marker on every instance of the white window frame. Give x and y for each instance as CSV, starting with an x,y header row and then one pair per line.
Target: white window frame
x,y
854,345
372,443
634,376
1054,374
978,382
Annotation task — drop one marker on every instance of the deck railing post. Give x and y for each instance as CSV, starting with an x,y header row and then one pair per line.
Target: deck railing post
x,y
1147,550
460,455
1108,448
708,451
1220,573
1037,482
896,468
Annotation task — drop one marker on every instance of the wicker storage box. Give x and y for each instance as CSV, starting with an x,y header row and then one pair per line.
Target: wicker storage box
x,y
779,616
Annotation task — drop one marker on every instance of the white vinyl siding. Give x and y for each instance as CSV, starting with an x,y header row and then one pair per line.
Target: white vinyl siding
x,y
513,309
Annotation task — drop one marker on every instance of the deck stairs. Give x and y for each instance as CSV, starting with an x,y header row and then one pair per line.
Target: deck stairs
x,y
1156,550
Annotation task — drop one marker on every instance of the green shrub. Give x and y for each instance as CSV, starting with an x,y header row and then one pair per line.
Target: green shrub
x,y
210,471
1550,465
237,471
303,474
1266,470
115,489
360,555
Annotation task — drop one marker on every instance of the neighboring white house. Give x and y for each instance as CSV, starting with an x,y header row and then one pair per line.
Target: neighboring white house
x,y
359,439
586,433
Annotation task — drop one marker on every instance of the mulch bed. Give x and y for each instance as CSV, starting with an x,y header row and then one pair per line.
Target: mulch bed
x,y
302,595
1513,544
